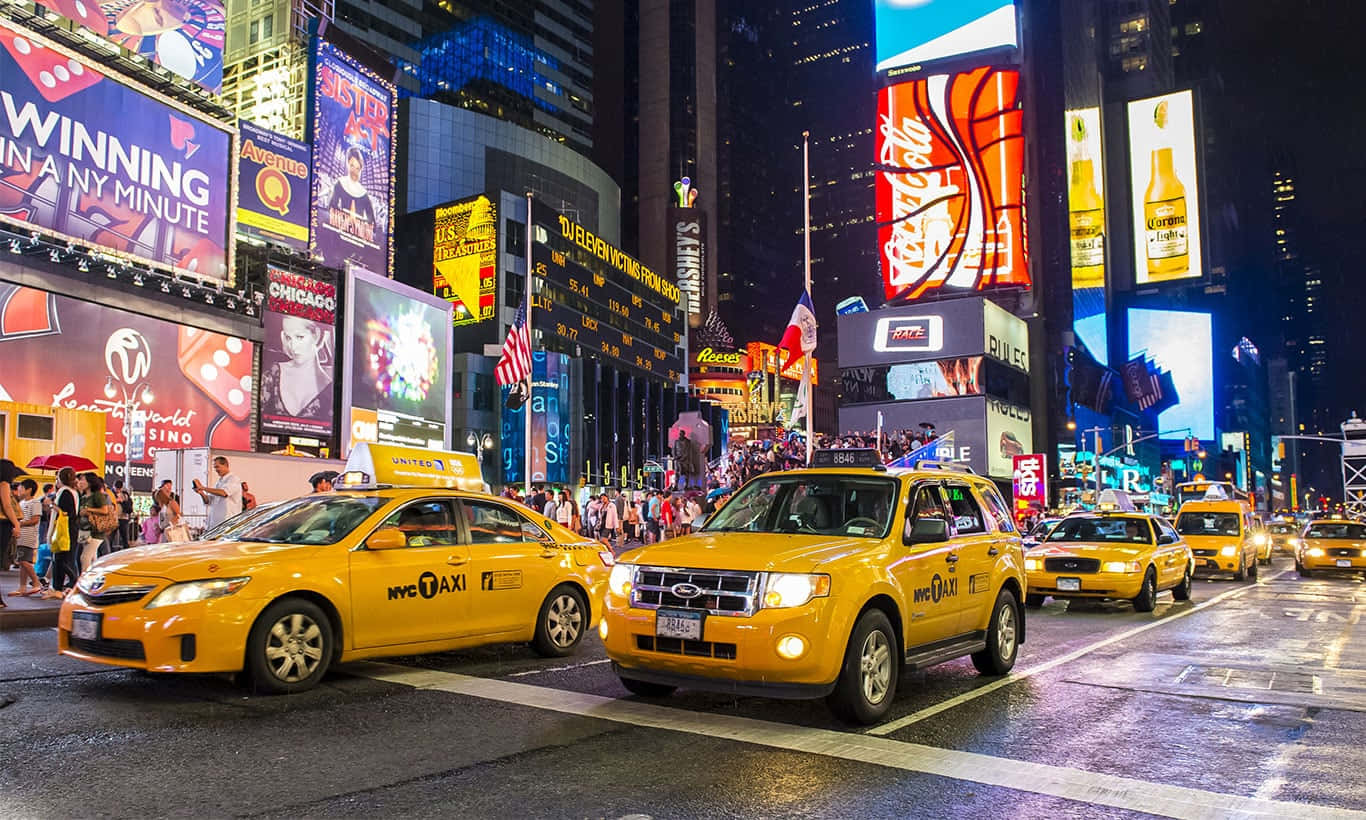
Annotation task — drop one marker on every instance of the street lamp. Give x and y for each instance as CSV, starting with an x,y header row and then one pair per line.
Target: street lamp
x,y
131,398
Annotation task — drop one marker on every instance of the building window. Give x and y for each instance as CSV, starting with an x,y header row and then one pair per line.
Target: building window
x,y
485,392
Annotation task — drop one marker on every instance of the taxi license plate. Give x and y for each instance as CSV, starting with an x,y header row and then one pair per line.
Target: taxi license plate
x,y
1069,584
1344,562
675,623
85,626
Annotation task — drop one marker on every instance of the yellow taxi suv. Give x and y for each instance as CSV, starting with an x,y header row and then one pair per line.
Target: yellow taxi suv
x,y
368,570
1331,545
1221,537
827,582
1284,537
1111,555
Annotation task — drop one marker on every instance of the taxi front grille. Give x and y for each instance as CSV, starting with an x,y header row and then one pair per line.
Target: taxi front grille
x,y
1203,553
1342,552
678,646
118,595
110,648
1071,564
719,592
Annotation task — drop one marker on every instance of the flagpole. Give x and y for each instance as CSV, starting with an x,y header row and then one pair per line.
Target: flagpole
x,y
530,378
806,241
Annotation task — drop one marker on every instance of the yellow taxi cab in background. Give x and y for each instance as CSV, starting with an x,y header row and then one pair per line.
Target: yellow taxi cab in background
x,y
368,570
1115,554
1331,545
826,582
1284,537
1221,535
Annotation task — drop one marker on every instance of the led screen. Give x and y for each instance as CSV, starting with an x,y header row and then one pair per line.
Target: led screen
x,y
354,118
550,423
1181,342
272,186
914,32
100,162
950,185
297,364
398,363
465,258
1165,189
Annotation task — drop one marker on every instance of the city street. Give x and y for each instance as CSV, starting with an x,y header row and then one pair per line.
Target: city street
x,y
1247,701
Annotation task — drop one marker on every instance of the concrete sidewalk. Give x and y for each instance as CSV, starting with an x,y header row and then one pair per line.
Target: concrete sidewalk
x,y
24,613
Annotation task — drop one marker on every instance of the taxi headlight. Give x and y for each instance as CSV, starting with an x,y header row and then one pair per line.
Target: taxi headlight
x,y
1121,566
1314,552
1229,551
619,582
1259,539
1033,565
192,591
786,589
1292,542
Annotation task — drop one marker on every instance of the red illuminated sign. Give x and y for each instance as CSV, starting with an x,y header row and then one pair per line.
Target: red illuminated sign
x,y
1030,482
950,185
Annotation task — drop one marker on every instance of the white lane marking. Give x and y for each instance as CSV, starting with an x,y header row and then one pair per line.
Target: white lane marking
x,y
559,668
1016,677
1057,781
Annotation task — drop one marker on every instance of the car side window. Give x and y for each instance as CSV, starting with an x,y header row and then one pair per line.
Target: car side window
x,y
1167,531
425,523
926,503
967,516
492,523
997,509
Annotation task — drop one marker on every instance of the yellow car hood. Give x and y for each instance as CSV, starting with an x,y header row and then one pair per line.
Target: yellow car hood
x,y
749,551
1112,552
198,559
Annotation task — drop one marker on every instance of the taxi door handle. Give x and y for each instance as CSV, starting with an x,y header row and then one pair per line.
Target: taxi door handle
x,y
457,560
952,558
993,551
549,553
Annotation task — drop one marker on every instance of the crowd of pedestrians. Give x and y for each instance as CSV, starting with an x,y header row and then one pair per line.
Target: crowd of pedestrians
x,y
616,518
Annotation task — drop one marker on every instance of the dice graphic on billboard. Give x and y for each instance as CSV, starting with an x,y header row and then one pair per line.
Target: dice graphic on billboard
x,y
220,366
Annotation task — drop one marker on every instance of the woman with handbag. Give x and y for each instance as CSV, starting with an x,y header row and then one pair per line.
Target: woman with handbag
x,y
99,517
173,530
64,535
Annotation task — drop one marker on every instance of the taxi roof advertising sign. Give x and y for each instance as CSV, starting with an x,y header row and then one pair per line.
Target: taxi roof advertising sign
x,y
950,185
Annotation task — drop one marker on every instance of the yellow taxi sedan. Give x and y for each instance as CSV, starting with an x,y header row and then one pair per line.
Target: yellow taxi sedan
x,y
1126,556
337,577
1331,545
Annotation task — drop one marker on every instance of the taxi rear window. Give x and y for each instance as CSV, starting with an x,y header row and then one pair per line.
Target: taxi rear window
x,y
1120,530
322,519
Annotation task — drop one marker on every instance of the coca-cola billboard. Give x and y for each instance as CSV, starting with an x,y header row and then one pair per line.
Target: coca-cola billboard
x,y
193,386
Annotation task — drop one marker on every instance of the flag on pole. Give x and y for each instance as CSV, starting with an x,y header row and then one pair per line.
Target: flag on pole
x,y
800,336
514,365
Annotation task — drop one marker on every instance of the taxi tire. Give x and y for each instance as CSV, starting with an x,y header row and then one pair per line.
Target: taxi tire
x,y
1034,601
1303,571
543,643
257,668
848,701
1252,571
1146,599
990,660
1182,591
1241,574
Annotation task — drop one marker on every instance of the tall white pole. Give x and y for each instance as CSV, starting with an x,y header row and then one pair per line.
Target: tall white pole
x,y
806,241
530,380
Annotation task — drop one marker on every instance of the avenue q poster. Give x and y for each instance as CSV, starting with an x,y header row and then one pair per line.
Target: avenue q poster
x,y
63,352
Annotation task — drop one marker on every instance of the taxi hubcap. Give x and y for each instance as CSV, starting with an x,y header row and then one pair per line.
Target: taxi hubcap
x,y
564,620
1005,632
294,647
876,667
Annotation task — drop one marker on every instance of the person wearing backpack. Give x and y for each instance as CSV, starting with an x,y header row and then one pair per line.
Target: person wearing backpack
x,y
64,534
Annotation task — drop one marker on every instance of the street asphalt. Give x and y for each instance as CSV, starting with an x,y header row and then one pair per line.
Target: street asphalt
x,y
1250,700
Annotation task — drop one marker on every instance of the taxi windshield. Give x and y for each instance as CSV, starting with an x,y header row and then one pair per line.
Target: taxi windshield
x,y
1346,531
1207,523
226,529
314,519
1119,530
810,505
1281,529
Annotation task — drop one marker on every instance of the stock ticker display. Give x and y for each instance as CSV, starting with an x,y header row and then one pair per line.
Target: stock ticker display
x,y
599,298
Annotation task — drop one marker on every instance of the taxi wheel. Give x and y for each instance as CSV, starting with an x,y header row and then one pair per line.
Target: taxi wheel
x,y
1146,600
867,683
646,689
1182,592
1303,571
1034,601
1002,637
290,647
1241,574
1252,570
562,622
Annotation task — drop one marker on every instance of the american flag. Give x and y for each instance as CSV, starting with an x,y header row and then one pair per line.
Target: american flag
x,y
514,366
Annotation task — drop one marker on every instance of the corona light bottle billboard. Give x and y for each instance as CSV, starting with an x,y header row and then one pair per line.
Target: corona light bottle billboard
x,y
1165,185
1085,204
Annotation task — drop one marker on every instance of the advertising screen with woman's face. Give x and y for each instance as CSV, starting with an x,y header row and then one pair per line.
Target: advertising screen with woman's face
x,y
297,365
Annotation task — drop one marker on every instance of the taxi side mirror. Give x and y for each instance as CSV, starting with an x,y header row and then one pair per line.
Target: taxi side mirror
x,y
928,531
1166,539
388,538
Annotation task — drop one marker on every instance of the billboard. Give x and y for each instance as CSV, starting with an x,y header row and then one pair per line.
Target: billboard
x,y
950,185
398,360
1180,342
465,259
964,417
299,360
1087,227
1010,433
272,186
1029,483
911,33
183,36
550,423
100,162
688,258
188,387
918,380
354,119
933,331
1165,189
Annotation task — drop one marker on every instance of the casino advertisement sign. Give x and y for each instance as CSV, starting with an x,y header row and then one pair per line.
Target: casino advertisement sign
x,y
99,162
